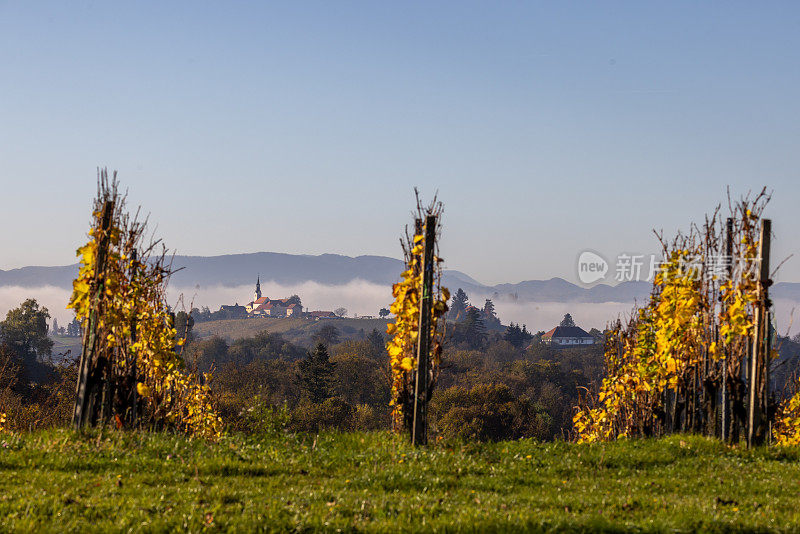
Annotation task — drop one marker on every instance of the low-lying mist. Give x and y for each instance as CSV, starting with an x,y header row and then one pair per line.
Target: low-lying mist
x,y
364,298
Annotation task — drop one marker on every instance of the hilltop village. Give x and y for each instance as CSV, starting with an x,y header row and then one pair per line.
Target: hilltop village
x,y
263,306
471,319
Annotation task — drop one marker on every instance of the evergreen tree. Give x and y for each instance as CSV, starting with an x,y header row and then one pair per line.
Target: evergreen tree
x,y
489,315
567,321
474,329
488,308
519,337
527,336
514,335
458,308
55,327
316,375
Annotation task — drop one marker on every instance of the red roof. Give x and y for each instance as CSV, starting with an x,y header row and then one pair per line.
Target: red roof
x,y
264,301
566,331
550,333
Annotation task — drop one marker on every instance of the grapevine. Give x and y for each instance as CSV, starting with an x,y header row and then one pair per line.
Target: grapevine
x,y
664,369
404,331
136,346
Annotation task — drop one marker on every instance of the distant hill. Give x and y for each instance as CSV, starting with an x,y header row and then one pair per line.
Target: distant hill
x,y
334,269
39,276
241,269
298,331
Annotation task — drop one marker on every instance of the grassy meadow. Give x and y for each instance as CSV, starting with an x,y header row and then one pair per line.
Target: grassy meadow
x,y
59,481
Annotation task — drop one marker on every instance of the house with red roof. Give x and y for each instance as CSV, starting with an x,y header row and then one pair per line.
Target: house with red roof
x,y
567,336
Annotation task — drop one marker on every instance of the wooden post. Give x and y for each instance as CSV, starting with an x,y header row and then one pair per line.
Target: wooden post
x,y
729,259
419,434
768,341
752,383
134,371
759,361
410,387
86,388
765,282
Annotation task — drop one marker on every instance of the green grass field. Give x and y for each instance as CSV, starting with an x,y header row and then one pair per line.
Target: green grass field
x,y
112,481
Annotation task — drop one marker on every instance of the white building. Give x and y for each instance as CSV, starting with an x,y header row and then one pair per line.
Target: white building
x,y
567,336
266,307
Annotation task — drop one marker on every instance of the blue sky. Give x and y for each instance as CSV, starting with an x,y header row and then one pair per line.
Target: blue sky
x,y
302,127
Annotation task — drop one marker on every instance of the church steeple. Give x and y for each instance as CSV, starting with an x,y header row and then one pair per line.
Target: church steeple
x,y
258,288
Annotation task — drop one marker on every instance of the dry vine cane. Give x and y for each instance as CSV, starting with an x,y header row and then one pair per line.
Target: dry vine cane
x,y
402,347
137,375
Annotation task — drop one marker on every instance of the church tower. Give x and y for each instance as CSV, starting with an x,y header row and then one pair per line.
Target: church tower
x,y
258,288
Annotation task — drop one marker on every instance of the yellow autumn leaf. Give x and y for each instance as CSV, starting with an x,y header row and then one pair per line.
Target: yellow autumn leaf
x,y
142,389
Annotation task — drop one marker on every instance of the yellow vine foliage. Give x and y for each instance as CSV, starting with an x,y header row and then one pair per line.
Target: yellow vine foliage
x,y
660,347
787,425
736,319
404,332
679,328
668,352
597,423
135,328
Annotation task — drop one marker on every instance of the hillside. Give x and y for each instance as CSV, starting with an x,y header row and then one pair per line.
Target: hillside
x,y
298,331
64,346
118,481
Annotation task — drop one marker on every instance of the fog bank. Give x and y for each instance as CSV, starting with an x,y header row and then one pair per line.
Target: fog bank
x,y
365,298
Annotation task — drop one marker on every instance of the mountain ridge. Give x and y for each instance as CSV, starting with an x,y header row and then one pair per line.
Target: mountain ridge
x,y
232,270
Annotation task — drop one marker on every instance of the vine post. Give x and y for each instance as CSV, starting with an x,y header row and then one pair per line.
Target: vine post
x,y
728,352
759,361
89,371
134,374
420,427
417,333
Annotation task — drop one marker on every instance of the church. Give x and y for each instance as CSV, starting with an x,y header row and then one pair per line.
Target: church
x,y
265,307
